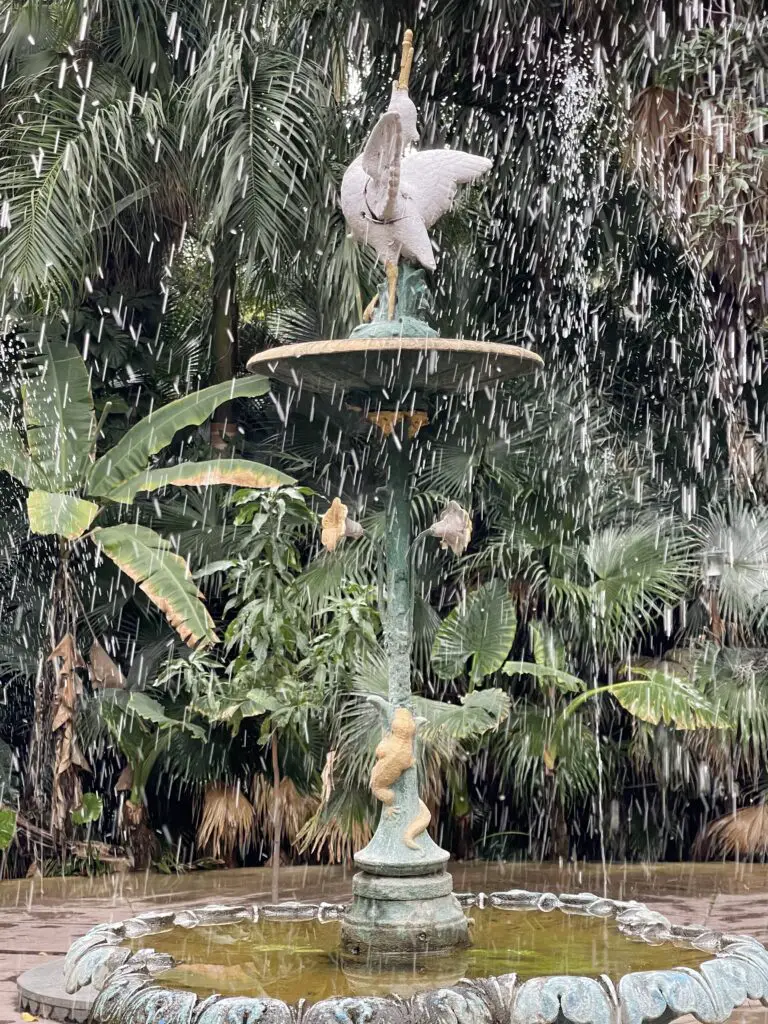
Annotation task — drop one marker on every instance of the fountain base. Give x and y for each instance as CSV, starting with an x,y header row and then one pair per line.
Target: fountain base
x,y
396,917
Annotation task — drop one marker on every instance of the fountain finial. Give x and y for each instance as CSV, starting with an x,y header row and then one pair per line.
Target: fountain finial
x,y
406,60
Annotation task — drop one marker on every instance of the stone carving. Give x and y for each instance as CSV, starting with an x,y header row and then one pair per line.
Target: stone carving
x,y
126,992
391,197
242,1010
394,755
92,939
290,911
88,966
357,1010
461,1004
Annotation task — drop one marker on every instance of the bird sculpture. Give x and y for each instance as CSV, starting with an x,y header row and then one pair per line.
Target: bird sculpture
x,y
391,195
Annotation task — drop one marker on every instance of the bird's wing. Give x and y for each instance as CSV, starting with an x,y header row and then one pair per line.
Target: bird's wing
x,y
430,179
381,162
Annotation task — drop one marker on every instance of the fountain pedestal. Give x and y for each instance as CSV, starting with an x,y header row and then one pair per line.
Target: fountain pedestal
x,y
403,903
403,898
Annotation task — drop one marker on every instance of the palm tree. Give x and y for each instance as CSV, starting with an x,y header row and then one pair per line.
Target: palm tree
x,y
249,116
110,158
49,445
90,176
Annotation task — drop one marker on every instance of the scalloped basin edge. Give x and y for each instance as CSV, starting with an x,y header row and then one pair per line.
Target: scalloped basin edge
x,y
115,985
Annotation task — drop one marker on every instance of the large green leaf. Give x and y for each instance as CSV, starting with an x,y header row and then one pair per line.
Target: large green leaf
x,y
7,827
479,712
661,697
15,459
482,628
63,514
89,810
558,678
130,455
147,558
233,708
548,667
546,645
235,472
151,710
58,413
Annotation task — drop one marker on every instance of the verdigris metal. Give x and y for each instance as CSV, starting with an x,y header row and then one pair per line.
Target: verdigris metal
x,y
412,306
391,371
546,1000
423,916
243,1010
86,978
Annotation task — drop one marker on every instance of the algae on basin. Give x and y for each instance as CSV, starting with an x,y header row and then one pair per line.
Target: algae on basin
x,y
294,960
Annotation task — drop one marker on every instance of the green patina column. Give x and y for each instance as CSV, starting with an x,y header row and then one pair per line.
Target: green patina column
x,y
398,613
403,897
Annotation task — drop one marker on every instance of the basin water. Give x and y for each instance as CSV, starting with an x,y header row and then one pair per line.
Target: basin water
x,y
295,960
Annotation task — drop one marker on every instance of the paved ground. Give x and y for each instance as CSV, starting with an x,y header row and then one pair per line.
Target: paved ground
x,y
40,917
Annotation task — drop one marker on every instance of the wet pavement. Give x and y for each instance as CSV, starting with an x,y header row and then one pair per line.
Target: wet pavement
x,y
40,917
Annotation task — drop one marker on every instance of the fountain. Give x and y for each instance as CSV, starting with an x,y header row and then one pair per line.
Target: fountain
x,y
401,950
390,371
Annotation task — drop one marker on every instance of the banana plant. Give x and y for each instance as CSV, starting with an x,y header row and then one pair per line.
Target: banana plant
x,y
49,443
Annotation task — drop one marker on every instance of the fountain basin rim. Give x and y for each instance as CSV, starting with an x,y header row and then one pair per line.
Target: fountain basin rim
x,y
434,365
737,970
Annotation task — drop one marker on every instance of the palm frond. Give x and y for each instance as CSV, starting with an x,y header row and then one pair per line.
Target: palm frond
x,y
226,822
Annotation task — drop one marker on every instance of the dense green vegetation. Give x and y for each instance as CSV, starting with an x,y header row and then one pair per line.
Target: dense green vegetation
x,y
186,673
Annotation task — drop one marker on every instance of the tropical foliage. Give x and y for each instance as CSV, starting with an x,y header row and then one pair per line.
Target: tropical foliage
x,y
591,674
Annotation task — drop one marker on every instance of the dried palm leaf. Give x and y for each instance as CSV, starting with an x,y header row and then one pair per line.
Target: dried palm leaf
x,y
227,821
70,760
103,670
298,807
743,835
699,156
339,828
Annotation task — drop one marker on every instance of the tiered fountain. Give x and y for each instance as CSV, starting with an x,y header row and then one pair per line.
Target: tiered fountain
x,y
392,371
397,952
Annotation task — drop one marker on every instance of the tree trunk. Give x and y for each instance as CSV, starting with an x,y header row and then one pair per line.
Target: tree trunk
x,y
140,837
277,821
38,790
69,759
38,782
223,341
560,838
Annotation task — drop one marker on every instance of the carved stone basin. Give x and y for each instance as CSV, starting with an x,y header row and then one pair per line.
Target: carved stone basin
x,y
394,368
537,958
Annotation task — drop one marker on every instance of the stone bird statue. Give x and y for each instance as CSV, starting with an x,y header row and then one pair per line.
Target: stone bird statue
x,y
391,197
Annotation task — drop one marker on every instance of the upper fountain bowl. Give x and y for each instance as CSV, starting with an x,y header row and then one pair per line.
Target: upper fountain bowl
x,y
394,370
